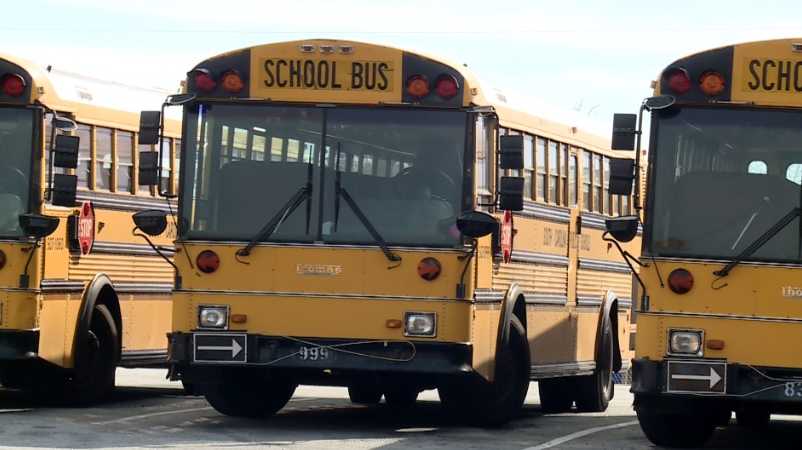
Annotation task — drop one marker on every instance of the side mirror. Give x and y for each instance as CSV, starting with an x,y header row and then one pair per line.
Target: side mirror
x,y
511,193
622,175
38,226
511,152
476,224
622,229
63,123
149,124
65,151
625,127
64,189
148,168
151,221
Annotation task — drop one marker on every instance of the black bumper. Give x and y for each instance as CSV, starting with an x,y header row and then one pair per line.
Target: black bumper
x,y
18,345
340,354
739,383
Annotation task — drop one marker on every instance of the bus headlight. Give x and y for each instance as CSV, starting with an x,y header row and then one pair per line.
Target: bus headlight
x,y
213,317
685,342
420,324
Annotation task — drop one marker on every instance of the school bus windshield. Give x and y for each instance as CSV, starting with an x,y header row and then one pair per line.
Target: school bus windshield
x,y
16,144
722,178
403,170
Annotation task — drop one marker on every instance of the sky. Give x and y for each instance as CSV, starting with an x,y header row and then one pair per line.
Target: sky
x,y
574,61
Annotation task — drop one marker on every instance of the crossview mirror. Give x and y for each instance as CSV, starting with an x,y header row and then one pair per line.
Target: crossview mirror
x,y
65,151
658,102
476,224
151,221
63,123
64,189
38,226
179,99
511,193
511,152
625,127
622,175
622,229
149,124
148,168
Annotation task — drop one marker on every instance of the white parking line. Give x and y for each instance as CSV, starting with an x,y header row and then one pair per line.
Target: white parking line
x,y
579,434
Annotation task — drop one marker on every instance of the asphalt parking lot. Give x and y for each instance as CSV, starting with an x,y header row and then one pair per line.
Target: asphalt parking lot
x,y
148,411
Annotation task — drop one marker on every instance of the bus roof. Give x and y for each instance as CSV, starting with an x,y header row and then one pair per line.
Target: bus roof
x,y
89,99
763,73
260,70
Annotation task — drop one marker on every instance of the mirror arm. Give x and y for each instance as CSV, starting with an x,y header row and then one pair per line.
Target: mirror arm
x,y
467,258
627,258
154,247
638,133
161,149
24,279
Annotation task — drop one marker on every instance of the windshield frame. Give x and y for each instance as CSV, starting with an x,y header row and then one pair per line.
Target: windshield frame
x,y
33,203
466,192
647,242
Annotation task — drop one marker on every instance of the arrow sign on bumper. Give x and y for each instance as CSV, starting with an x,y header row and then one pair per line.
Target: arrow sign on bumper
x,y
221,347
696,376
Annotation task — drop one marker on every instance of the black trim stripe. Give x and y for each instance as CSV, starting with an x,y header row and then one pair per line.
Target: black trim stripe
x,y
487,296
124,202
531,298
552,213
623,303
78,286
603,265
539,258
129,249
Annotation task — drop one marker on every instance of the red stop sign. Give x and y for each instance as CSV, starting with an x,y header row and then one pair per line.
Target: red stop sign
x,y
507,236
86,227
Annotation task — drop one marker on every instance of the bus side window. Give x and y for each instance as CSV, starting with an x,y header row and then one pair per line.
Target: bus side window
x,y
758,167
794,173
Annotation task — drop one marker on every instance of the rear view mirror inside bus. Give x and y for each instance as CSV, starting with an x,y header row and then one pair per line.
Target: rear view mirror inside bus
x,y
65,151
625,127
511,154
149,124
511,193
64,189
476,224
622,175
148,168
622,229
151,221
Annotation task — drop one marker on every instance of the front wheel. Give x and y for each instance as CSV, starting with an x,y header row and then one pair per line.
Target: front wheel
x,y
401,397
496,403
595,391
680,430
364,394
249,396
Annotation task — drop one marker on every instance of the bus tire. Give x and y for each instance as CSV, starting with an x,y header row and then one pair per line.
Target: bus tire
x,y
595,391
251,397
95,379
556,395
364,394
401,397
493,404
755,418
675,429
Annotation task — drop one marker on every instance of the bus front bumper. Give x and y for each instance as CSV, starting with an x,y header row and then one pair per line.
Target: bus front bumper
x,y
210,349
18,344
712,380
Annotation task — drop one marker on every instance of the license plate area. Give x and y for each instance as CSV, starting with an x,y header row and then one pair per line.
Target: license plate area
x,y
220,348
696,377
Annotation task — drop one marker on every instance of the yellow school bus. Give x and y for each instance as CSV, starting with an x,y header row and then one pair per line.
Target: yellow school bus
x,y
358,215
719,315
79,294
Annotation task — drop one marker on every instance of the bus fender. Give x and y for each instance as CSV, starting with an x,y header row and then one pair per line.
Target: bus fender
x,y
608,315
514,295
99,288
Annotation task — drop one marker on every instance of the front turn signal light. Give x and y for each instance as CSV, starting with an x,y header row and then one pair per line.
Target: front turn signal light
x,y
207,261
680,281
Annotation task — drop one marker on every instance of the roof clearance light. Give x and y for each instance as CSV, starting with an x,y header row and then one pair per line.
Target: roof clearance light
x,y
13,85
232,82
680,281
417,86
446,86
203,80
678,80
712,83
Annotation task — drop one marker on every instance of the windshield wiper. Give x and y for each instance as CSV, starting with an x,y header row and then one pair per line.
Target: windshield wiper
x,y
759,242
304,194
339,191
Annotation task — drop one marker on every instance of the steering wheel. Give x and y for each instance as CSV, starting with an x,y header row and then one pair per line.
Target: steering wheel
x,y
428,173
